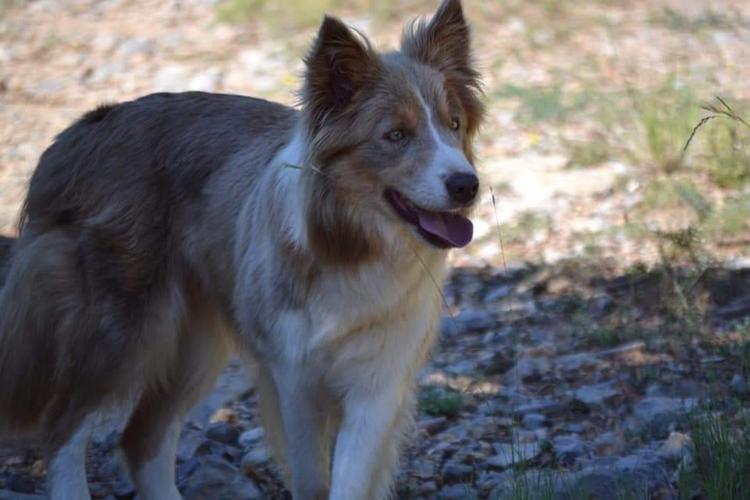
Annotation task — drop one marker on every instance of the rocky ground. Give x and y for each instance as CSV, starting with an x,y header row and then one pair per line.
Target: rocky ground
x,y
511,400
581,336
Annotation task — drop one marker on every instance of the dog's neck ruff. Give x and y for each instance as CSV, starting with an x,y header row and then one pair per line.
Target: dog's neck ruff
x,y
301,204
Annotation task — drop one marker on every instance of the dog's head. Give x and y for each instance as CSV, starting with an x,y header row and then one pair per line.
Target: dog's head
x,y
392,133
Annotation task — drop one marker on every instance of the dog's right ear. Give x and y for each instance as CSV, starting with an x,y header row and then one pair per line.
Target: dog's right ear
x,y
339,65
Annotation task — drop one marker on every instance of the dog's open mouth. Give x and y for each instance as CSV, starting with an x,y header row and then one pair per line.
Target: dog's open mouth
x,y
441,229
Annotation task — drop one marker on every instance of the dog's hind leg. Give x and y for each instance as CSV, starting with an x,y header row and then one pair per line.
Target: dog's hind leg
x,y
151,436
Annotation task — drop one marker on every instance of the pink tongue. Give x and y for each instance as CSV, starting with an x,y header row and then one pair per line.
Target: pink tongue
x,y
454,229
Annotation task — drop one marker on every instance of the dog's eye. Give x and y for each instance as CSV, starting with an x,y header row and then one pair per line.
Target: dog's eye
x,y
395,135
455,123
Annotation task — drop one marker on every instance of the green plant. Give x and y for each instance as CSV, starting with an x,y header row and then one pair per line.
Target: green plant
x,y
291,12
730,220
236,11
707,19
527,223
532,485
300,13
440,401
727,153
683,245
588,153
721,458
665,117
542,104
739,348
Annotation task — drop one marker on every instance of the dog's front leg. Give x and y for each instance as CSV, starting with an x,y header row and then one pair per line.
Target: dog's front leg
x,y
366,440
307,422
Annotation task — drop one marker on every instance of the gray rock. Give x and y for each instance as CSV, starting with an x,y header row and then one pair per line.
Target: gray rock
x,y
606,484
635,476
449,327
489,480
432,425
135,46
233,382
190,441
575,362
252,459
423,469
533,421
249,438
223,432
645,465
425,489
123,487
473,320
495,363
50,87
216,479
568,448
608,443
458,492
14,495
497,293
541,405
636,345
528,370
739,385
454,472
657,413
171,78
576,427
676,446
681,388
20,483
597,394
206,81
107,70
507,454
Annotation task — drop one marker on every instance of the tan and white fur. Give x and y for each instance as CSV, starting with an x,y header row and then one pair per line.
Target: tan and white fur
x,y
162,234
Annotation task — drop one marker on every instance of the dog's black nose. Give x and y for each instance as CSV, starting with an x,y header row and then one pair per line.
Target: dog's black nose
x,y
462,188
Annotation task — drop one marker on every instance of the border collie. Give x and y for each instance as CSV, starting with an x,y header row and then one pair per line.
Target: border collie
x,y
160,235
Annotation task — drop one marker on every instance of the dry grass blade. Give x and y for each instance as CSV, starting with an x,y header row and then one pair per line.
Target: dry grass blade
x,y
703,121
437,286
302,167
497,225
725,111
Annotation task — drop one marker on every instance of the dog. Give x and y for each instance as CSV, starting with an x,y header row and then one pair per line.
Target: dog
x,y
160,235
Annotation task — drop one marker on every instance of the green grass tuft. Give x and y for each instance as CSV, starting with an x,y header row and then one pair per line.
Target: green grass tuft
x,y
665,117
440,401
708,19
588,153
721,458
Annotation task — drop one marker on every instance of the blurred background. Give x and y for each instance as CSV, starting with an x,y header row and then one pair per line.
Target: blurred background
x,y
596,338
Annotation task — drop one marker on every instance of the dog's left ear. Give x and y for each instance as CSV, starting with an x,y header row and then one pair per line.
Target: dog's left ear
x,y
339,65
444,43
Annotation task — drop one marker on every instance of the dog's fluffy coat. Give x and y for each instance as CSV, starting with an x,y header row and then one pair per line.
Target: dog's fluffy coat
x,y
159,234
